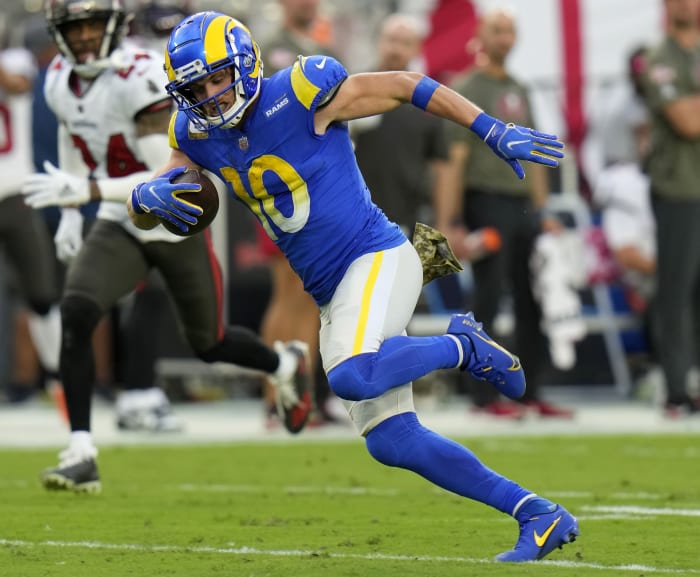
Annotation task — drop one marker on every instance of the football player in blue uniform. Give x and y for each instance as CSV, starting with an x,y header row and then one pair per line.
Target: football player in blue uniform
x,y
282,146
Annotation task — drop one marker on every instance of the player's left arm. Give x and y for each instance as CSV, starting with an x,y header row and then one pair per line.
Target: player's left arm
x,y
370,93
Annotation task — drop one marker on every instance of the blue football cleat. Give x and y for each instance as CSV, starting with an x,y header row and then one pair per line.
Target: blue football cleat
x,y
488,360
541,533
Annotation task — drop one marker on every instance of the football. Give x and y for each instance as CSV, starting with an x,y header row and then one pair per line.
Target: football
x,y
207,199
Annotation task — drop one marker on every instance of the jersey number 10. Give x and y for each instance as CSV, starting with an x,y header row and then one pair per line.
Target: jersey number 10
x,y
254,194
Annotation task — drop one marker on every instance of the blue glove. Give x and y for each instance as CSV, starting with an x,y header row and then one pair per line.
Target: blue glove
x,y
512,142
159,197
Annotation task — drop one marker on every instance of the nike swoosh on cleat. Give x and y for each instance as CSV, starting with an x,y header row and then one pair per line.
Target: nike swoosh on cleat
x,y
541,540
515,366
321,64
510,145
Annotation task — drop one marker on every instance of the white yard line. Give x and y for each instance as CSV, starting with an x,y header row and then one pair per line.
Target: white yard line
x,y
249,551
606,512
395,492
635,510
290,489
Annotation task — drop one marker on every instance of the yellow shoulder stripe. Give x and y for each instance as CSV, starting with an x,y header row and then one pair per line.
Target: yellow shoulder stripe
x,y
304,89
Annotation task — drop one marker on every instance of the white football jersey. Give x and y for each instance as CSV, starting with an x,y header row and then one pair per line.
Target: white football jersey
x,y
101,121
15,124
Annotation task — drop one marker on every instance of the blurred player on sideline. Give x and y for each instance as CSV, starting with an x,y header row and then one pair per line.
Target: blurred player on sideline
x,y
140,405
283,147
113,114
23,233
484,195
45,147
672,96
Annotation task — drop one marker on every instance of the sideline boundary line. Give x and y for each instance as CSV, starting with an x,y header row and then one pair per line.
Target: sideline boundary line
x,y
245,550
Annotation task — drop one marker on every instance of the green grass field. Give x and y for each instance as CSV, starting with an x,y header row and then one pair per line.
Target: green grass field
x,y
327,509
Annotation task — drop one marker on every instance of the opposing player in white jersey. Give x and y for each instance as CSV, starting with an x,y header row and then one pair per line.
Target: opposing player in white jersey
x,y
114,113
23,233
139,403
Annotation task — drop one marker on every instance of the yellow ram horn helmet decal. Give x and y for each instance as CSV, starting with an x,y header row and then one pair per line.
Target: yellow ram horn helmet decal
x,y
168,67
214,49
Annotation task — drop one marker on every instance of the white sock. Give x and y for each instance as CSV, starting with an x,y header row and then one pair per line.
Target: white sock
x,y
81,444
460,350
46,336
141,400
288,362
522,501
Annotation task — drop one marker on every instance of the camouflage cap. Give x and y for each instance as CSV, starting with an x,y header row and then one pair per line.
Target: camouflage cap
x,y
435,253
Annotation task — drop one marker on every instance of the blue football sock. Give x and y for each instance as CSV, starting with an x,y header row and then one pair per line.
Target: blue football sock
x,y
398,361
401,441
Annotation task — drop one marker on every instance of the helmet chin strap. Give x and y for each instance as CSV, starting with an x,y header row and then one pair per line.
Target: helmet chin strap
x,y
239,115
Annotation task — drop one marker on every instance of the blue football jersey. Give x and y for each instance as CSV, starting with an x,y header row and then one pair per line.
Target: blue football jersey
x,y
305,189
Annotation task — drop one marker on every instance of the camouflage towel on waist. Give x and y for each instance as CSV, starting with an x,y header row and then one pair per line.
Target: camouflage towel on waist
x,y
435,253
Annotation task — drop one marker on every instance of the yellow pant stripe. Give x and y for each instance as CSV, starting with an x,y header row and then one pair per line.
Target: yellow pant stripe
x,y
366,301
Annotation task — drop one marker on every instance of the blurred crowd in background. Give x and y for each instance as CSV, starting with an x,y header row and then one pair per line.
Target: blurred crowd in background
x,y
580,286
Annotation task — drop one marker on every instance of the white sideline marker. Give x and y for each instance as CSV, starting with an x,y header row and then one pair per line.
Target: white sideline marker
x,y
243,550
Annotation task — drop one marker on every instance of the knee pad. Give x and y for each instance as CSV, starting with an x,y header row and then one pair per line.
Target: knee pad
x,y
393,441
367,414
79,317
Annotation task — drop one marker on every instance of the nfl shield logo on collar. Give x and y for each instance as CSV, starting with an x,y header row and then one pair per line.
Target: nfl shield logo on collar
x,y
243,143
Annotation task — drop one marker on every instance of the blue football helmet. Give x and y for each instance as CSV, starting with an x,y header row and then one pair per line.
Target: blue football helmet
x,y
203,44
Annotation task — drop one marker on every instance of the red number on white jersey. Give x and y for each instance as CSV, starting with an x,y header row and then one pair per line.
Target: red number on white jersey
x,y
121,161
5,129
